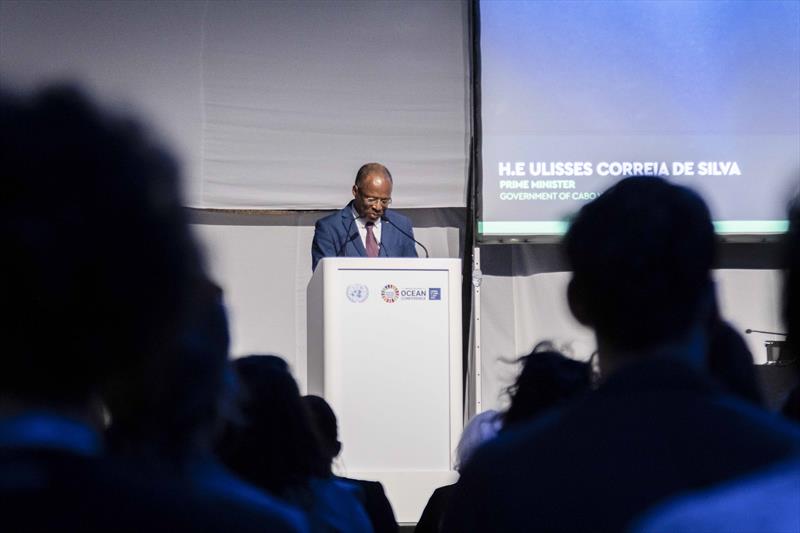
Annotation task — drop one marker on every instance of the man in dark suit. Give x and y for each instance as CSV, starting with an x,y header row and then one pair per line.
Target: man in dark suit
x,y
657,425
365,228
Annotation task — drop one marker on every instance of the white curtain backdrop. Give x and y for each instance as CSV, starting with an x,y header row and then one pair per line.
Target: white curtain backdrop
x,y
269,104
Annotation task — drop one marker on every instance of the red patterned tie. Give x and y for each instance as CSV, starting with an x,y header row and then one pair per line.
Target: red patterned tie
x,y
372,242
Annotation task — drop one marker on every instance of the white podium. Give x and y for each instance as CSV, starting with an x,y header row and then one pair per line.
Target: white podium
x,y
384,349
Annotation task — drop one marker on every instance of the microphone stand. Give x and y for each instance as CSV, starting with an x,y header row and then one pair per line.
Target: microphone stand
x,y
348,239
749,331
387,219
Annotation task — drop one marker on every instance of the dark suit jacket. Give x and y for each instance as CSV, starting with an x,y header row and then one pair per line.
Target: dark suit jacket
x,y
337,235
433,514
377,505
651,431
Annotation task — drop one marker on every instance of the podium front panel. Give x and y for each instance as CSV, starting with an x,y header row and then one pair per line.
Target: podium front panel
x,y
390,333
392,360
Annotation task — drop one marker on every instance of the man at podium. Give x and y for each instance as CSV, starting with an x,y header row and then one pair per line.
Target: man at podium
x,y
365,228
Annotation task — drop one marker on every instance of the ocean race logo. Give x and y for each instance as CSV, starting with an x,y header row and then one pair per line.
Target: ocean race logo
x,y
414,293
390,293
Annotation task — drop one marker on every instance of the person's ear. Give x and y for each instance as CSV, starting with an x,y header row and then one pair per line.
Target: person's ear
x,y
355,191
577,304
337,448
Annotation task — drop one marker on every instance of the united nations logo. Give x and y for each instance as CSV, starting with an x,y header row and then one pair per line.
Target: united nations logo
x,y
357,293
390,293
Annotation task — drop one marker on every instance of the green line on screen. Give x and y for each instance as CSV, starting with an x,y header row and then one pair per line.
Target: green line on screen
x,y
751,226
559,227
547,227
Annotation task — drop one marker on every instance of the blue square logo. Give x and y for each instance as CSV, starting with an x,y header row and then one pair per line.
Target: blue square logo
x,y
435,293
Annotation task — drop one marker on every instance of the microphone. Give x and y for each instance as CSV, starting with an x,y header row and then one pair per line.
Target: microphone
x,y
749,331
387,219
348,239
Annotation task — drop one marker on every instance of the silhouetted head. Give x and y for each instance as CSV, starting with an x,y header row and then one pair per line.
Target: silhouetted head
x,y
791,300
791,290
324,420
275,447
548,379
98,258
641,256
372,191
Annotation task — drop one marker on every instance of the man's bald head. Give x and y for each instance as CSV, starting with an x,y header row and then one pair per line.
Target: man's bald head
x,y
370,169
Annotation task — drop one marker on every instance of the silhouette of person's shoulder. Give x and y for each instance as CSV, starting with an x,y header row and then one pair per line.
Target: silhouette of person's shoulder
x,y
522,475
47,490
214,482
433,514
376,504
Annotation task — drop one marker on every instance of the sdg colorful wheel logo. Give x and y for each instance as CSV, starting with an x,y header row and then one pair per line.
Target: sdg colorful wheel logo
x,y
390,293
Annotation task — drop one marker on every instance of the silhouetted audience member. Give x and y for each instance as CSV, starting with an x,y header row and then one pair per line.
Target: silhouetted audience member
x,y
765,502
481,428
548,379
169,426
377,505
275,447
730,363
641,256
791,305
791,406
97,271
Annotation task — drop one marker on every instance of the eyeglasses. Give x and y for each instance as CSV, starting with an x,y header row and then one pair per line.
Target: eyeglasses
x,y
385,202
371,200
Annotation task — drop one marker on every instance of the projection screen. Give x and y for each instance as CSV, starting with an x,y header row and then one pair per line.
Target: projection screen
x,y
575,95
